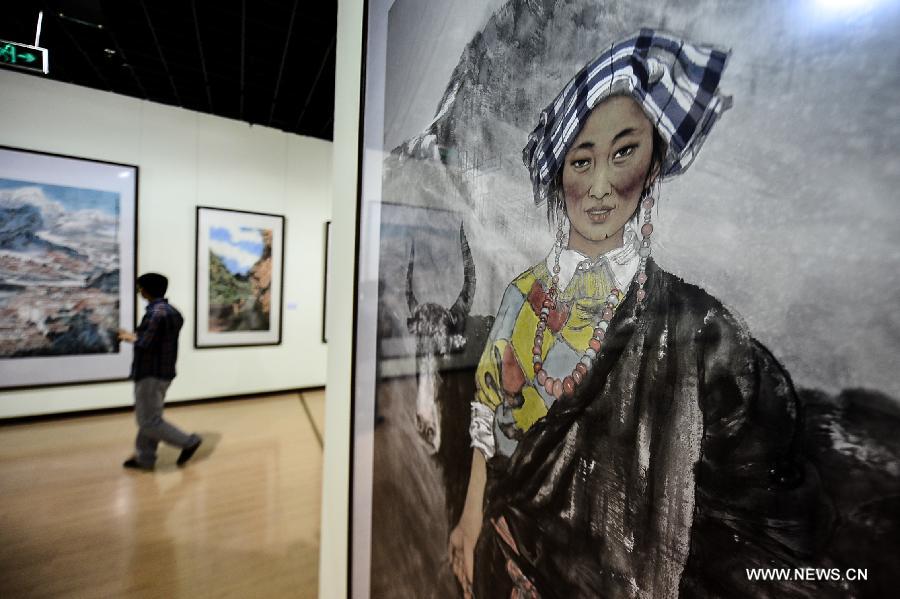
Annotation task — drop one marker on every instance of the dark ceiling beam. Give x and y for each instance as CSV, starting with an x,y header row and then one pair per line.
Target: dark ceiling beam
x,y
267,27
159,50
151,64
61,19
287,43
125,63
312,90
327,125
128,65
202,59
243,50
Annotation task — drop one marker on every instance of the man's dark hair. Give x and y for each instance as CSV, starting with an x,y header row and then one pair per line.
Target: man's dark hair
x,y
154,284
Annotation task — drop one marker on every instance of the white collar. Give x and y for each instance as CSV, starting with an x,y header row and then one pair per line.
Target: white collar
x,y
623,261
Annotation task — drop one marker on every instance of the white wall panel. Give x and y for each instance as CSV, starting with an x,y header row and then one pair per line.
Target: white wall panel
x,y
188,159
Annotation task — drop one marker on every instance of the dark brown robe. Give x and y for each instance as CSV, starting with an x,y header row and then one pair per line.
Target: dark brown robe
x,y
675,468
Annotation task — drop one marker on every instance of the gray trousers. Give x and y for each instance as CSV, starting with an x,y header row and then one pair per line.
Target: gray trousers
x,y
149,398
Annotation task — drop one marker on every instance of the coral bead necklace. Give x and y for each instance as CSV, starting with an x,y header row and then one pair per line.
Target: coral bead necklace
x,y
565,387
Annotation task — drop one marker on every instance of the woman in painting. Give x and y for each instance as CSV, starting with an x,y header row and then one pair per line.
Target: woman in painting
x,y
631,439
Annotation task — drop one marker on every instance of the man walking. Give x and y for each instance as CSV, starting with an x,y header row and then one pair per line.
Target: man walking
x,y
153,368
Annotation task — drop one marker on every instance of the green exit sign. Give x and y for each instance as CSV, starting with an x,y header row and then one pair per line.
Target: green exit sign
x,y
23,56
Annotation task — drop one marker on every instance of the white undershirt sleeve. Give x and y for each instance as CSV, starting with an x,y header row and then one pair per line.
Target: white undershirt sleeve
x,y
481,429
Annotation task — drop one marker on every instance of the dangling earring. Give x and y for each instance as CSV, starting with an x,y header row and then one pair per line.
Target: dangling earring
x,y
560,238
561,219
647,203
561,216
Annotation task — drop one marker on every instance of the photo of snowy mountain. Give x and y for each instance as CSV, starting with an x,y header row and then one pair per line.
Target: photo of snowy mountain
x,y
68,231
59,269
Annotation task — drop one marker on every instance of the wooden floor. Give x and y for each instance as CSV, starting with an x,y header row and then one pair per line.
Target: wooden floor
x,y
240,520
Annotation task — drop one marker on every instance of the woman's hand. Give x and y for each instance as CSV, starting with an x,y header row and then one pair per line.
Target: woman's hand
x,y
464,536
462,549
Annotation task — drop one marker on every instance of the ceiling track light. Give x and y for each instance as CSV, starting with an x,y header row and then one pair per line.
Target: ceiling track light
x,y
79,21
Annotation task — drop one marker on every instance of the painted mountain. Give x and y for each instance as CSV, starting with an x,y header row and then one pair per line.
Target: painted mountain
x,y
59,270
778,217
240,277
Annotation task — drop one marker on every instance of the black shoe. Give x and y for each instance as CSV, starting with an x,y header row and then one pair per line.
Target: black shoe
x,y
188,452
135,465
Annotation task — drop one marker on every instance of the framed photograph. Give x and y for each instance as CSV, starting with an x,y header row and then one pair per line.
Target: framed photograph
x,y
327,279
625,300
240,269
68,229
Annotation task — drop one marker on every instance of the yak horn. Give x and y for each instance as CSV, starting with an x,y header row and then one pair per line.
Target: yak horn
x,y
463,304
410,296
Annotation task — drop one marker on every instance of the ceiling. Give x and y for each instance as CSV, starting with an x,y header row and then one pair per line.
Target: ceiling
x,y
267,62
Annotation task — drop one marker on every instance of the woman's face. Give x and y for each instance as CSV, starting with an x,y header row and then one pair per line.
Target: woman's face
x,y
604,173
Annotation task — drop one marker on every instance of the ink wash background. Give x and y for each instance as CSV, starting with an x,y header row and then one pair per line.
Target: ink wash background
x,y
790,213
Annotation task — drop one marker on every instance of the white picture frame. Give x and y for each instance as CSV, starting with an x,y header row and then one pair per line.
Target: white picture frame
x,y
69,268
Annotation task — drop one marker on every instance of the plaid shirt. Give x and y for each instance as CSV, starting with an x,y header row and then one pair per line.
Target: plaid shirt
x,y
156,348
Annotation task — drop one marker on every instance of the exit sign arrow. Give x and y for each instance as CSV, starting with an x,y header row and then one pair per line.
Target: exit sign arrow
x,y
23,56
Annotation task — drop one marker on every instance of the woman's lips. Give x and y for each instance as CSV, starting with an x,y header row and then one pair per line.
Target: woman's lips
x,y
598,215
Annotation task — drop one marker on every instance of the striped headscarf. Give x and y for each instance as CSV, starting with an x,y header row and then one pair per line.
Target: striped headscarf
x,y
673,81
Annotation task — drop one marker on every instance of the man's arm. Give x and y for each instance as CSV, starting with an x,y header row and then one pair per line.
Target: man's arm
x,y
146,332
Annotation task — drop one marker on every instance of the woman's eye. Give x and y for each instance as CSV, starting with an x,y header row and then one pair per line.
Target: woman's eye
x,y
624,152
580,163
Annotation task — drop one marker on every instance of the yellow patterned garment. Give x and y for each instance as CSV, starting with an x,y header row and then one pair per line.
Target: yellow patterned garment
x,y
505,375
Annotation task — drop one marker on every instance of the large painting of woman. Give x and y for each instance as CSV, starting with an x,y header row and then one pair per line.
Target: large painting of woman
x,y
634,428
634,334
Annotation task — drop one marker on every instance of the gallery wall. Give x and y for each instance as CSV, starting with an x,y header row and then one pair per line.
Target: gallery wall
x,y
188,159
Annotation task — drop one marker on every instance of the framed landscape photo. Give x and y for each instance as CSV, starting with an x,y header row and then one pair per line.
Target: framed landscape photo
x,y
240,267
68,227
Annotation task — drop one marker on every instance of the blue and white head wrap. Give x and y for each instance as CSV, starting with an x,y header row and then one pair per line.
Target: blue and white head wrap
x,y
673,81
